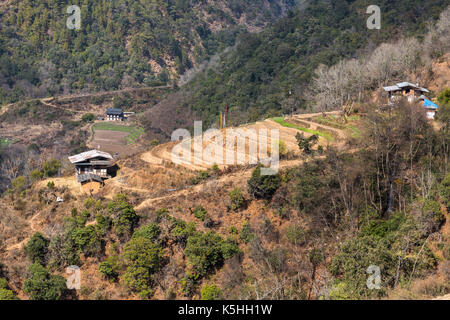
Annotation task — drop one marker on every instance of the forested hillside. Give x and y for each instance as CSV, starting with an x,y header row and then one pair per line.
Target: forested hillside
x,y
121,43
268,73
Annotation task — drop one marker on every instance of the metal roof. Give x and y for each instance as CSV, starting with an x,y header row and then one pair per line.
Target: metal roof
x,y
114,111
391,88
402,85
89,155
429,104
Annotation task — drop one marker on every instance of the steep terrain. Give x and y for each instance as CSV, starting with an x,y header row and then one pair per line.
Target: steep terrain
x,y
120,43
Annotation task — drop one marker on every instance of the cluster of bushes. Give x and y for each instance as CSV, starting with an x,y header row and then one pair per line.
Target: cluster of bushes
x,y
394,245
143,256
42,284
116,220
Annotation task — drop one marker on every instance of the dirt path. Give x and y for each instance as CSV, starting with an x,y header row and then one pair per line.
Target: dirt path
x,y
47,101
244,174
33,226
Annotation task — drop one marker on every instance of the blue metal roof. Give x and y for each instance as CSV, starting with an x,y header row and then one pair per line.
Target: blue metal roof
x,y
430,105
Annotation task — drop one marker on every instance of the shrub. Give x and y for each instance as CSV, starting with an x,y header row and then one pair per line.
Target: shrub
x,y
43,285
37,248
211,292
150,232
154,142
109,268
124,218
246,232
143,258
36,175
182,230
206,251
263,187
282,149
237,199
444,191
89,203
51,167
200,213
296,234
306,144
5,292
203,175
51,185
87,240
233,230
432,209
19,184
88,117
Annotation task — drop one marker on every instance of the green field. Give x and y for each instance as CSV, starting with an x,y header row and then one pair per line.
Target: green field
x,y
280,120
134,132
112,127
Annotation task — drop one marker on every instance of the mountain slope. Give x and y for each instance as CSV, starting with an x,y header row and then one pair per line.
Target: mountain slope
x,y
121,43
257,76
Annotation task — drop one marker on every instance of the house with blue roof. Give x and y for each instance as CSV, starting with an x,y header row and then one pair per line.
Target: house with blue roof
x,y
413,93
431,108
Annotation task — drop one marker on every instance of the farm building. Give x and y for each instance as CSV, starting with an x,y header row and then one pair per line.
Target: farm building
x,y
430,107
92,168
405,89
114,114
414,93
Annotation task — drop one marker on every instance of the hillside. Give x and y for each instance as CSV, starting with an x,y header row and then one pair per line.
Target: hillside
x,y
121,43
313,212
269,73
362,182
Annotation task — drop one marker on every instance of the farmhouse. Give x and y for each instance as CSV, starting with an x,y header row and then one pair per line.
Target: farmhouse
x,y
414,93
114,114
405,89
92,168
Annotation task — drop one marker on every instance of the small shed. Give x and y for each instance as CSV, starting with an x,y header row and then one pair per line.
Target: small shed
x,y
431,108
114,114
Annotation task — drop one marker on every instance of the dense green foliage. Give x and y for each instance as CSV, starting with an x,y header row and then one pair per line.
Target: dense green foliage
x,y
42,285
110,268
150,231
37,247
200,213
382,243
306,144
444,190
40,55
207,251
5,292
237,199
123,216
143,258
51,167
211,292
263,186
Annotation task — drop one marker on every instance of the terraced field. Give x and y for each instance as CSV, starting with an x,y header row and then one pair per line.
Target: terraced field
x,y
221,147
